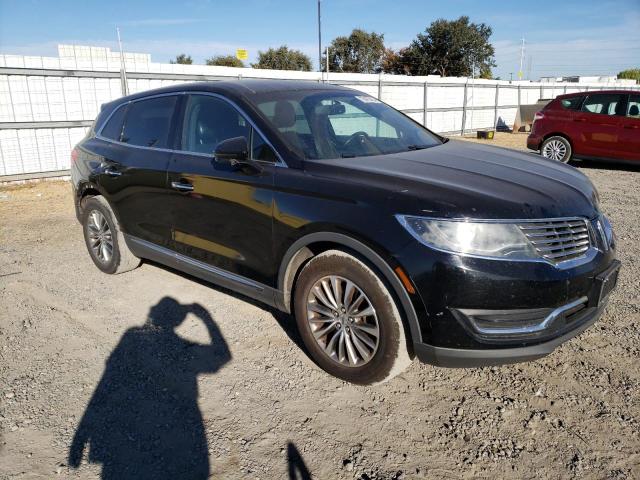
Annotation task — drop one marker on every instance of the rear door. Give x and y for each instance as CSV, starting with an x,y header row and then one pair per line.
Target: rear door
x,y
222,216
133,172
597,125
630,133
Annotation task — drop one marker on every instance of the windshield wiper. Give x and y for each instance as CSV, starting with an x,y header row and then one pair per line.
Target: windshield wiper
x,y
417,147
348,155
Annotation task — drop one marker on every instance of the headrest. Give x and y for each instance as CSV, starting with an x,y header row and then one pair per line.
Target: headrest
x,y
285,115
634,111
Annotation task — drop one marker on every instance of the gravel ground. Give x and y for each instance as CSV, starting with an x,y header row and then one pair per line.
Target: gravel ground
x,y
94,358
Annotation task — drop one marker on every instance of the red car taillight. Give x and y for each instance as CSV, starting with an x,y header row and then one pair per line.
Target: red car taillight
x,y
538,116
74,155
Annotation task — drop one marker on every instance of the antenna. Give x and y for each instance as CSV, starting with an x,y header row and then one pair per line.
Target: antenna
x,y
319,40
123,69
327,59
520,73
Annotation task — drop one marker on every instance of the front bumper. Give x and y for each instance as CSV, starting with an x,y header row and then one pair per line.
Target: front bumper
x,y
470,358
477,311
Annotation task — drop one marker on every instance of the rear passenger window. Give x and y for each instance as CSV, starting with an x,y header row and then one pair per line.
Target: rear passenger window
x,y
113,129
148,122
606,104
572,103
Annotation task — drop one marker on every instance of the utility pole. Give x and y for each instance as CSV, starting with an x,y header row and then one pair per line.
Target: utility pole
x,y
520,73
319,40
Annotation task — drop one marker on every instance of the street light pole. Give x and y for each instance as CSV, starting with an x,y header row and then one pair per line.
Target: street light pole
x,y
319,40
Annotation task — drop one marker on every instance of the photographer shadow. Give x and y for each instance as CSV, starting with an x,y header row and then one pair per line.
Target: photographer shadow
x,y
143,420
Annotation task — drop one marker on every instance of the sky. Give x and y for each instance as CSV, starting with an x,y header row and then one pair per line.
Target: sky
x,y
562,37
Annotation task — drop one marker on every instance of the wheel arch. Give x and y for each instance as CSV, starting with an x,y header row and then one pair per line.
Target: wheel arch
x,y
558,134
305,248
87,190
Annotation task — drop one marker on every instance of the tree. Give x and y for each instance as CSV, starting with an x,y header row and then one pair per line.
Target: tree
x,y
394,62
360,52
182,59
632,73
225,61
451,48
283,58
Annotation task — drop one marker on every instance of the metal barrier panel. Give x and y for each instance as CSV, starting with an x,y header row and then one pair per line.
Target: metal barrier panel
x,y
47,104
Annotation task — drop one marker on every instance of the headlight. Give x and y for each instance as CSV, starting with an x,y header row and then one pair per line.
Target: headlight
x,y
487,239
609,236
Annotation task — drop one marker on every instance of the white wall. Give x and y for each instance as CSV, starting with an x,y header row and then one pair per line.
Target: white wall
x,y
49,96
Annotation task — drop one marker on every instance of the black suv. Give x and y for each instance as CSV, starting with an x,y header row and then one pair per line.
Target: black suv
x,y
385,240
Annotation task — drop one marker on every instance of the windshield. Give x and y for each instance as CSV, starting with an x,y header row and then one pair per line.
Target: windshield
x,y
334,124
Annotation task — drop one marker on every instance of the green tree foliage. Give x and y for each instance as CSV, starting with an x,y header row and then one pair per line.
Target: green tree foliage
x,y
360,52
225,61
394,62
450,48
283,58
632,73
182,59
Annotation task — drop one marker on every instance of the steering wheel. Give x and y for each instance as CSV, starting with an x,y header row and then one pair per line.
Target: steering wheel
x,y
363,140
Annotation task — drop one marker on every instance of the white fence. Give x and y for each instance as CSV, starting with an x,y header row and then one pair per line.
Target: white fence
x,y
47,103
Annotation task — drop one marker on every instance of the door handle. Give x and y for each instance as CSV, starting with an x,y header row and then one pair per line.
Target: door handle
x,y
579,120
182,187
631,126
111,172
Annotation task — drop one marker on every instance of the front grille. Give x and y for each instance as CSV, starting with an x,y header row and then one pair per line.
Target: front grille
x,y
558,240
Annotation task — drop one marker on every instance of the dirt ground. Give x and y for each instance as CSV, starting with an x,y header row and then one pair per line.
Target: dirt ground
x,y
88,371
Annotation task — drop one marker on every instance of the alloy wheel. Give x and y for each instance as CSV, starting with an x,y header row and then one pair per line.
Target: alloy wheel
x,y
100,237
555,150
343,321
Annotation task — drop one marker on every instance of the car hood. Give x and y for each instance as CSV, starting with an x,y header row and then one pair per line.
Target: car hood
x,y
463,179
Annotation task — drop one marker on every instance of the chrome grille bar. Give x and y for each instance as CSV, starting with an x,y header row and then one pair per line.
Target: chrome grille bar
x,y
558,240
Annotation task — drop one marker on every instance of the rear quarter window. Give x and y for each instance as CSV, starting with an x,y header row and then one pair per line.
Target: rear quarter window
x,y
113,128
572,103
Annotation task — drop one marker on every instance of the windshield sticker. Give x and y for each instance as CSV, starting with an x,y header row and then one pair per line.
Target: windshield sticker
x,y
367,99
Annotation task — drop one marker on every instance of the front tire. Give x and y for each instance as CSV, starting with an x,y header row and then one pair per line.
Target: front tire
x,y
104,239
348,320
556,148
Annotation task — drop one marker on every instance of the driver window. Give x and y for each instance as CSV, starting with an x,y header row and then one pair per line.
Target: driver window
x,y
347,119
208,121
633,109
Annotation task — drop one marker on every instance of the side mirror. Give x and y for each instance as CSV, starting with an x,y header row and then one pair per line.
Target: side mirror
x,y
232,151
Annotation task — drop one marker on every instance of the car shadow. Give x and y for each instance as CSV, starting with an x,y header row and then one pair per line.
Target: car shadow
x,y
143,420
606,165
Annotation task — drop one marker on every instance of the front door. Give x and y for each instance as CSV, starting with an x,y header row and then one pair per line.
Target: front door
x,y
630,132
222,215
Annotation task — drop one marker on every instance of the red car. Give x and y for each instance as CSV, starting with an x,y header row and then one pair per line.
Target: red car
x,y
603,125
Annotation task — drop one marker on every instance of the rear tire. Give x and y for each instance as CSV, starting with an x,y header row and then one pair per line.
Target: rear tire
x,y
556,148
104,239
362,343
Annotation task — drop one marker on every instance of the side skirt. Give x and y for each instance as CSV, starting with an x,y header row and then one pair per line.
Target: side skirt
x,y
232,281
